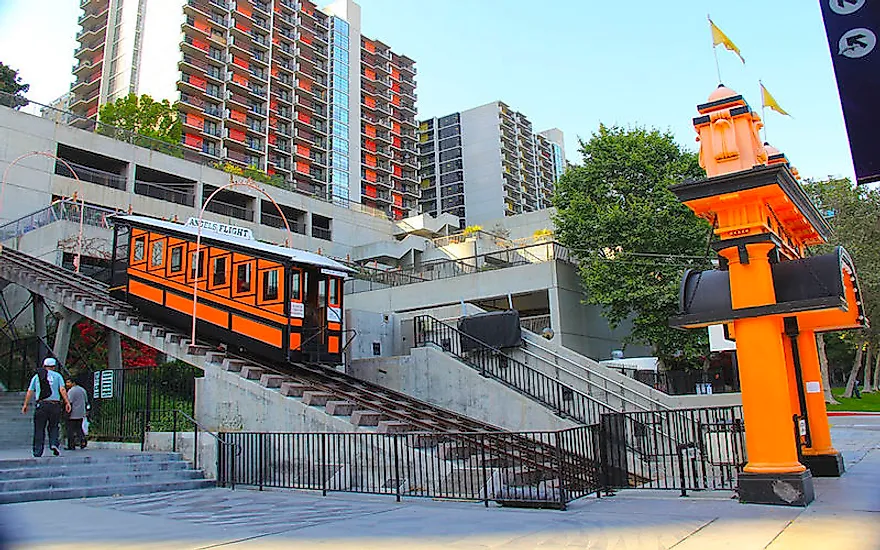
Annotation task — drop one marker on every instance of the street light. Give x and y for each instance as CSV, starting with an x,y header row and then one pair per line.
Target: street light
x,y
198,255
82,208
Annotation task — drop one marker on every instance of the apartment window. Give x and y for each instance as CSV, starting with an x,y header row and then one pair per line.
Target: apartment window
x,y
450,154
219,278
340,146
340,55
340,162
451,178
243,278
448,120
340,131
450,142
450,190
449,132
340,115
340,99
450,166
270,285
212,90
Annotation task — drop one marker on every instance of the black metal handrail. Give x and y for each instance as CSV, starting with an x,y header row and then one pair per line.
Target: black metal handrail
x,y
492,362
222,444
559,466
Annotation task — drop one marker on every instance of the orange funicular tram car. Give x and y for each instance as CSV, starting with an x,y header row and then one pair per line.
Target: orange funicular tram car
x,y
280,303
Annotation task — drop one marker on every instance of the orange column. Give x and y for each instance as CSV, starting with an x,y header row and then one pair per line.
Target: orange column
x,y
763,378
820,433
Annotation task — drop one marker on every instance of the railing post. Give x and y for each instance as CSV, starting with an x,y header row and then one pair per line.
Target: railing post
x,y
174,433
483,468
324,464
560,470
260,458
196,445
220,463
396,468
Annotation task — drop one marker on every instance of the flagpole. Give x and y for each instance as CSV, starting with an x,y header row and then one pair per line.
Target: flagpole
x,y
714,49
763,110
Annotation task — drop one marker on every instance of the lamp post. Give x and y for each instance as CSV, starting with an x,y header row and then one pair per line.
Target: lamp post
x,y
249,183
82,207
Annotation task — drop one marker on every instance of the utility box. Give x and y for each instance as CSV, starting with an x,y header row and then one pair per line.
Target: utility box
x,y
499,329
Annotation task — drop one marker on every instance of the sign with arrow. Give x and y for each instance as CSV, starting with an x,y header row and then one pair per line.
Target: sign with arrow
x,y
852,27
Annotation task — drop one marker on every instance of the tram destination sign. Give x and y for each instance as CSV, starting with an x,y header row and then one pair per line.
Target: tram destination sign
x,y
222,228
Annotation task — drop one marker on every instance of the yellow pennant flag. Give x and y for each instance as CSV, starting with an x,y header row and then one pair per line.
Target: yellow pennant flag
x,y
768,100
718,37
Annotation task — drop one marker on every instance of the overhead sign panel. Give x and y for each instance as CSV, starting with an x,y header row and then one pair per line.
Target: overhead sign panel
x,y
853,27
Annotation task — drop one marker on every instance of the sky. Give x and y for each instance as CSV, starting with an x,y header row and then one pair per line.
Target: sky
x,y
570,64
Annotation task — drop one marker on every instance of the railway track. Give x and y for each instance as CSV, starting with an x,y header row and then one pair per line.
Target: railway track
x,y
411,415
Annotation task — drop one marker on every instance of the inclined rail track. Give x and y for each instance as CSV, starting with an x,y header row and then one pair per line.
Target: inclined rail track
x,y
422,416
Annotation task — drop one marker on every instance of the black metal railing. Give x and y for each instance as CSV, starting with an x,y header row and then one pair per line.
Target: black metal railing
x,y
494,363
553,469
681,449
19,359
126,399
92,175
182,424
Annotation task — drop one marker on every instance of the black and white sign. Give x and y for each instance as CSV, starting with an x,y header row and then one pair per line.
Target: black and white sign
x,y
297,310
857,43
845,7
106,384
96,385
222,228
852,27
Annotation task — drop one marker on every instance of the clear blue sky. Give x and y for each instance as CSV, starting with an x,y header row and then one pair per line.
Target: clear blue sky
x,y
569,64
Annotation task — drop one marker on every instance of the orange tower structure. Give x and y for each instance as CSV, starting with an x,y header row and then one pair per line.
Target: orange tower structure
x,y
772,298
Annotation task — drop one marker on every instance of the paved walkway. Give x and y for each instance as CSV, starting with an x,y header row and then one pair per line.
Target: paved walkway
x,y
845,515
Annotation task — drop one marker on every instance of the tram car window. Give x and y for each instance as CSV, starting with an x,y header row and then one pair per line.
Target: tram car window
x,y
275,302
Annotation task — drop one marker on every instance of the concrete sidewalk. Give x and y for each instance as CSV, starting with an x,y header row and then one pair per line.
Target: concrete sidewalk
x,y
845,515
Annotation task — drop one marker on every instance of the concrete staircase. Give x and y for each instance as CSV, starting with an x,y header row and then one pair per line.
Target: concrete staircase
x,y
98,473
18,429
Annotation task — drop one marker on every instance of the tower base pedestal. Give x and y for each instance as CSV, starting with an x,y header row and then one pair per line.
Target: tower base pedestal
x,y
824,465
779,489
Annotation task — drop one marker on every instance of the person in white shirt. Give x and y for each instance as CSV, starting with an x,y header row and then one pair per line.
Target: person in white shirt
x,y
49,388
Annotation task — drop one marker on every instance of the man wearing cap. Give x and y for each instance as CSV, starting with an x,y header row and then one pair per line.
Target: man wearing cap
x,y
48,386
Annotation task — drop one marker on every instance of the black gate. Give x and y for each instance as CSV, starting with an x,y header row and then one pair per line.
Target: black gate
x,y
124,401
681,449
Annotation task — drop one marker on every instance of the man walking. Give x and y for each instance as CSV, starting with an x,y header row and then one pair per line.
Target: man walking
x,y
48,386
78,398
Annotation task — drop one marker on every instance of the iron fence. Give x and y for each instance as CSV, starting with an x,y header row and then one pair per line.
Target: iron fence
x,y
681,449
19,359
494,363
130,399
546,469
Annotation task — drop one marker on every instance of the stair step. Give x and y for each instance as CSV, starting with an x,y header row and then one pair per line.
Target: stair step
x,y
316,398
294,389
340,408
393,427
233,365
78,470
103,491
271,380
103,458
252,372
366,418
98,478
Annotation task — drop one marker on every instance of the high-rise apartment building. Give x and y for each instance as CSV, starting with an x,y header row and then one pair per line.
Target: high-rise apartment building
x,y
279,85
486,163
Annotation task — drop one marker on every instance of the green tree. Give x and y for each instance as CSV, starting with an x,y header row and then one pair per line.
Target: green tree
x,y
632,237
12,88
854,215
144,116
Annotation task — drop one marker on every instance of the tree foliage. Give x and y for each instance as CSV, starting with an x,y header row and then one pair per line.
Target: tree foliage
x,y
10,83
632,237
854,215
157,120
